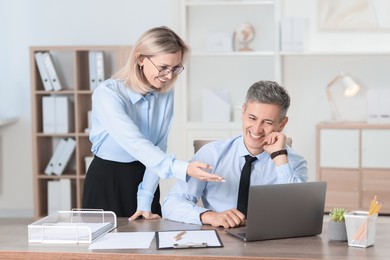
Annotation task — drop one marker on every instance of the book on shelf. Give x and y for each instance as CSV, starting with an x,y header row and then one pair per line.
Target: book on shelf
x,y
43,71
59,195
96,68
61,156
48,114
51,71
64,114
55,156
64,157
57,114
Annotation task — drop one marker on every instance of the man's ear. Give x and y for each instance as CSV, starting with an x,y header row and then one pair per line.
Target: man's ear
x,y
283,124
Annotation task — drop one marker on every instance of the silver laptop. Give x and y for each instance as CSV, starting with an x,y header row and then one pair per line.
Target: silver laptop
x,y
283,210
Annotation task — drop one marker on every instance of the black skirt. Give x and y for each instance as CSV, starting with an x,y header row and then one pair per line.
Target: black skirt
x,y
113,186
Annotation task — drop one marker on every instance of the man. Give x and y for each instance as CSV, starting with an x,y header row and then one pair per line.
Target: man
x,y
263,119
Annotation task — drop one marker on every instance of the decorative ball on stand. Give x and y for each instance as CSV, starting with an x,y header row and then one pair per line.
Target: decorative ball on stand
x,y
244,34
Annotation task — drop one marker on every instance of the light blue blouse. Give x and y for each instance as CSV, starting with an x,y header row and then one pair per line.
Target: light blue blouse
x,y
227,158
127,126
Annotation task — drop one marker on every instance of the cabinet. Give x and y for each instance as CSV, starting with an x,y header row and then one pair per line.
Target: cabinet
x,y
222,69
348,158
71,64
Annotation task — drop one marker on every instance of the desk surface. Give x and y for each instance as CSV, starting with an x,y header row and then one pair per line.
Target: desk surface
x,y
14,245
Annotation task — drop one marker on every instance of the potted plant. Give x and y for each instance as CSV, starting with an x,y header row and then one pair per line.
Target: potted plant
x,y
336,227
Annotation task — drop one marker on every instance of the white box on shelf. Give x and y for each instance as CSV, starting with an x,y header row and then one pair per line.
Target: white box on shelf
x,y
292,34
372,106
286,38
384,106
219,42
216,106
378,106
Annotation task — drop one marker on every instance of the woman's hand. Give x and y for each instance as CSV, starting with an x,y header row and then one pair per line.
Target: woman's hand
x,y
197,170
144,214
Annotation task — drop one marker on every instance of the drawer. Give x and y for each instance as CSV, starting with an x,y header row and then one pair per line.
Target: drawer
x,y
341,180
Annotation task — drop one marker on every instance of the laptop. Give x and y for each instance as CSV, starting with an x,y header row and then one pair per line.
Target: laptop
x,y
283,211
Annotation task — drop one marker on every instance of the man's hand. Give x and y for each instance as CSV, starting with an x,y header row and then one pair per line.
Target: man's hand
x,y
144,214
196,170
274,141
227,219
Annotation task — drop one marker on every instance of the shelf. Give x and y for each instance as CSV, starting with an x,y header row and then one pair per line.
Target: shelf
x,y
234,54
72,66
229,2
228,72
337,53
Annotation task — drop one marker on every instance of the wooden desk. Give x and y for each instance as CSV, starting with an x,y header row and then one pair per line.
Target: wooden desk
x,y
14,245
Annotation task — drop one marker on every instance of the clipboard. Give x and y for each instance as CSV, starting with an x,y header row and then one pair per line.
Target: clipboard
x,y
203,238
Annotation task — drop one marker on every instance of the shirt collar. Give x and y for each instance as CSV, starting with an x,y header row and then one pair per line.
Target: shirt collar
x,y
242,151
136,97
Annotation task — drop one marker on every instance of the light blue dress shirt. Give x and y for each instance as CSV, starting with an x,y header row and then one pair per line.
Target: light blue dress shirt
x,y
127,126
227,158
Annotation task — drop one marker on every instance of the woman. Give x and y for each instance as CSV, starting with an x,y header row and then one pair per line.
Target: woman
x,y
131,116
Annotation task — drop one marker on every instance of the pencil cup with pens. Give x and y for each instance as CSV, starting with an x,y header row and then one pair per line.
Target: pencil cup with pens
x,y
361,225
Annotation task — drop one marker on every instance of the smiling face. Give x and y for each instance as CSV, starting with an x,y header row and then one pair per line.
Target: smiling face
x,y
153,65
258,120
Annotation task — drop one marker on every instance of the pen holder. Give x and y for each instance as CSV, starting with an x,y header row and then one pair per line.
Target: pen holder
x,y
361,228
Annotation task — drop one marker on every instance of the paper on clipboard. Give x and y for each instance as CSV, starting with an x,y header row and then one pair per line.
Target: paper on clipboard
x,y
191,239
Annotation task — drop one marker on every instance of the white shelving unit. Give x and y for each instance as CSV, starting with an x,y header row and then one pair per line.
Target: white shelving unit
x,y
234,71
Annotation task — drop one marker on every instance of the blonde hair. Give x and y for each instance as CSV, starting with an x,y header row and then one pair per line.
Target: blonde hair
x,y
155,41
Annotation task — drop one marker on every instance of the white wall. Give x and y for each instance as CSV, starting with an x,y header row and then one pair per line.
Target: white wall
x,y
25,23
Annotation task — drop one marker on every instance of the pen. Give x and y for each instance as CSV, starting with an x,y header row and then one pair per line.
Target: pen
x,y
179,235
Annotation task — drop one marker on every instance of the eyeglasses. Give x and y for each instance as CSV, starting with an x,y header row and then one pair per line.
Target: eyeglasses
x,y
163,71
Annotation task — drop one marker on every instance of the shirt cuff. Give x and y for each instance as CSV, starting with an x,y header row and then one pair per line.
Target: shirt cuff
x,y
179,170
284,173
144,200
197,213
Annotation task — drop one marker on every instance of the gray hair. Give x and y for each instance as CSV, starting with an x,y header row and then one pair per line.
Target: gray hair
x,y
269,92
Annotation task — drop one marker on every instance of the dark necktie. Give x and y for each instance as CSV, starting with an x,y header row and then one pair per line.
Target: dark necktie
x,y
243,192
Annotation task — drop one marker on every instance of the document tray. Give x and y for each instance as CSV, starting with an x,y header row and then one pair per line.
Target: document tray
x,y
76,226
